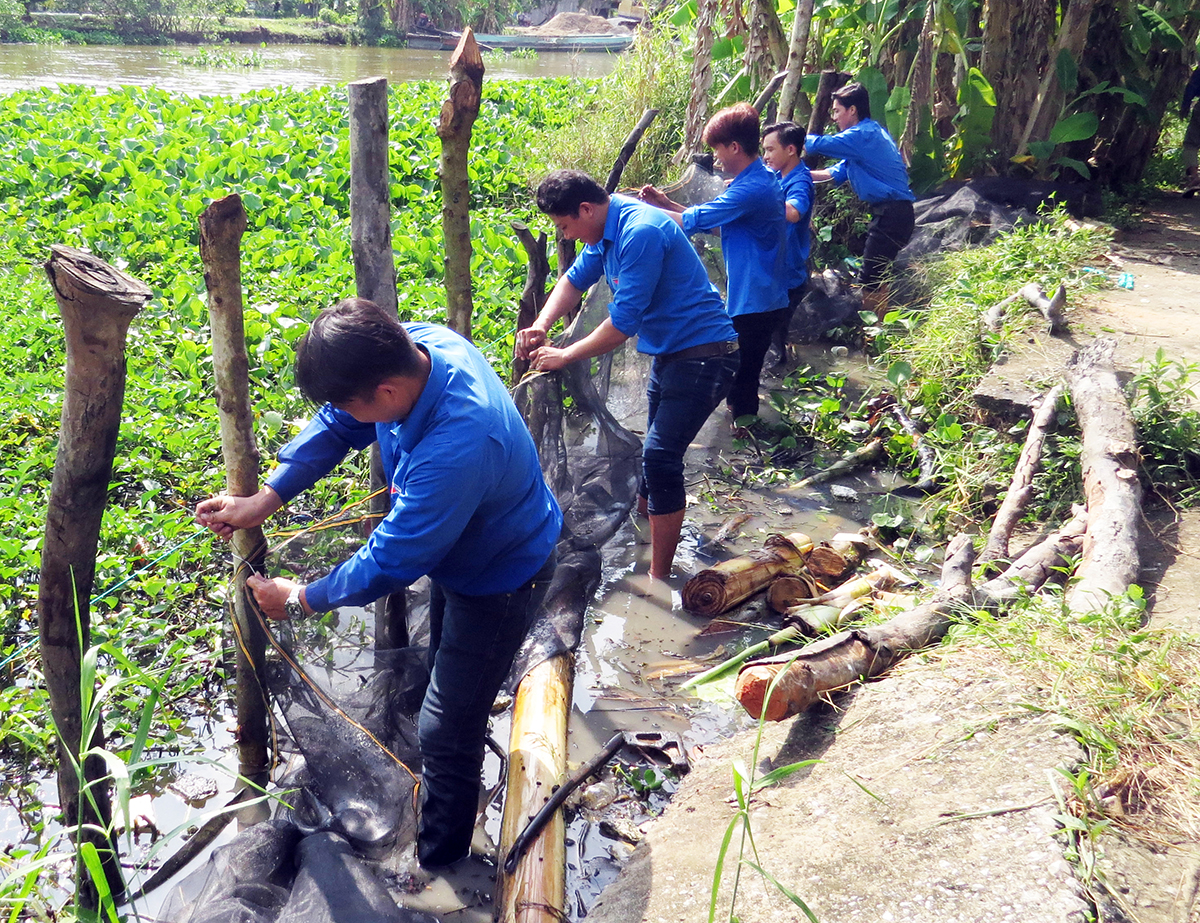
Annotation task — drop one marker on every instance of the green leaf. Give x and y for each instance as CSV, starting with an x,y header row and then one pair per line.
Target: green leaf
x,y
781,773
790,895
1077,165
1161,31
684,15
1077,127
899,372
1067,72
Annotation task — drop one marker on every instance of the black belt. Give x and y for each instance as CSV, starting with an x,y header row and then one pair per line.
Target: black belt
x,y
703,351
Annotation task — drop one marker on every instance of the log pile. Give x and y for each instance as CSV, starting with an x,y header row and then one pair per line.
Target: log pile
x,y
1104,533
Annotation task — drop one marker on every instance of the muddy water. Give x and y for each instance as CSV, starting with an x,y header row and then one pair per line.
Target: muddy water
x,y
298,66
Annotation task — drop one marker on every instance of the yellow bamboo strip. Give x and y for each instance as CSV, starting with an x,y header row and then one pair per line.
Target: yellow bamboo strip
x,y
537,762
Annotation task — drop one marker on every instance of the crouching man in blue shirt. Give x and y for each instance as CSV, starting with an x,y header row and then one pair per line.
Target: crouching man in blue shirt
x,y
873,165
750,216
661,294
469,508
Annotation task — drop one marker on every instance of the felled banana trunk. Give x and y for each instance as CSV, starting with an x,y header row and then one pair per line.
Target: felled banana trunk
x,y
718,589
834,559
830,609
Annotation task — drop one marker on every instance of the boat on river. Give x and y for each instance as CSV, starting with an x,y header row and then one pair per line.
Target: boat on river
x,y
611,42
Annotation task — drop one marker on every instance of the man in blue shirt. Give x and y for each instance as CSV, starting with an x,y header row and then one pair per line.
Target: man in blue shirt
x,y
662,295
783,144
469,508
873,165
750,215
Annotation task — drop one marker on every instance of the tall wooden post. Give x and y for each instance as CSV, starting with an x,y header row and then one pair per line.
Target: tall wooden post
x,y
454,128
97,303
221,227
375,280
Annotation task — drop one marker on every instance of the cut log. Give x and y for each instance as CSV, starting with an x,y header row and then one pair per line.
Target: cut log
x,y
842,597
459,112
830,561
926,456
1110,482
718,589
221,227
97,303
791,589
1020,491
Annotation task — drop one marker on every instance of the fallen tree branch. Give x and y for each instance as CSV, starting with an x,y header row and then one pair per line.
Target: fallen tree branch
x,y
926,456
856,459
1110,483
1051,308
1020,490
627,149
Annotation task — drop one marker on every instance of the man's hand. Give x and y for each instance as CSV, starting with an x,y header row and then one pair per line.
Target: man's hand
x,y
549,359
224,514
529,340
655,196
271,593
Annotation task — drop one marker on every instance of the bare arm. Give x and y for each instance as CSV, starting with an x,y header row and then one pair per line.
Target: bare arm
x,y
821,176
562,299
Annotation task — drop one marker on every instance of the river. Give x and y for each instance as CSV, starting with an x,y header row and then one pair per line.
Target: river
x,y
299,66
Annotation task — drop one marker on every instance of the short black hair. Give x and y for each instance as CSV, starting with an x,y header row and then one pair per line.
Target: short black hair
x,y
739,123
350,349
856,95
790,134
563,191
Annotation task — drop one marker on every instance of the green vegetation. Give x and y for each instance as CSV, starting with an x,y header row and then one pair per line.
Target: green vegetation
x,y
125,174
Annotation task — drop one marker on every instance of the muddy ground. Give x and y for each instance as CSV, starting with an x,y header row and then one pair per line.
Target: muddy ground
x,y
934,798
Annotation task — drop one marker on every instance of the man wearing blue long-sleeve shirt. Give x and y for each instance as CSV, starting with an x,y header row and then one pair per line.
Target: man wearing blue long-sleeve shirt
x,y
873,165
661,295
783,145
750,216
469,507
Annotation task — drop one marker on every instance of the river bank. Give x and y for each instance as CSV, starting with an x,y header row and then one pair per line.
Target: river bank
x,y
235,30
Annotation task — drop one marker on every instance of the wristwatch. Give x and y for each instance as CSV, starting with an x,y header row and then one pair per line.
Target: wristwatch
x,y
292,608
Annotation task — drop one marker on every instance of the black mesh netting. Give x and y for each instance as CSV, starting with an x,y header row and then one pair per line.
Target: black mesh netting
x,y
338,846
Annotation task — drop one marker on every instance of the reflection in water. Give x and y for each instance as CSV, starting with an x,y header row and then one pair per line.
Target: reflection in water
x,y
297,66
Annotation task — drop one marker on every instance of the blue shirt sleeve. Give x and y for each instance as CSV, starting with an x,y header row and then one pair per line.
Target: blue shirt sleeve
x,y
324,442
730,205
442,490
587,268
800,195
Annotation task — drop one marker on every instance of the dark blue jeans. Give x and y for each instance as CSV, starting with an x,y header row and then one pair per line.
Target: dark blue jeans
x,y
754,338
473,640
680,397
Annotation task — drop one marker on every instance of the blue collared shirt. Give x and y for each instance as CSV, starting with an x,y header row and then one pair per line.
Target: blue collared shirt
x,y
870,160
469,505
753,231
661,292
798,193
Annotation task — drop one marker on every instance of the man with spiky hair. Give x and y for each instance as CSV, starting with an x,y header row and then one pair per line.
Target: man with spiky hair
x,y
873,165
469,508
750,217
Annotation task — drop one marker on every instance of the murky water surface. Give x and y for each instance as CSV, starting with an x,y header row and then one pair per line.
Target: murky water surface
x,y
299,66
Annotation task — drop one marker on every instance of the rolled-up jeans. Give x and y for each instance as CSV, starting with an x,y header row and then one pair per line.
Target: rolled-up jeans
x,y
473,640
680,396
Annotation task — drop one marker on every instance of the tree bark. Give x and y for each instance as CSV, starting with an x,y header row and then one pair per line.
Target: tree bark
x,y
97,303
459,112
1110,482
830,82
375,280
702,77
1017,35
797,51
1047,106
920,82
221,227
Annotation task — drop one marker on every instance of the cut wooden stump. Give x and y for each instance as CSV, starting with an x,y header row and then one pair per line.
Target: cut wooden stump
x,y
718,589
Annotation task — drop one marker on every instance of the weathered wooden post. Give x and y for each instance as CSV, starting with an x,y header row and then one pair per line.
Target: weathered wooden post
x,y
374,279
459,112
97,303
221,227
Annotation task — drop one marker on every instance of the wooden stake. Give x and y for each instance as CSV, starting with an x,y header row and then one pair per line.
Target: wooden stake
x,y
97,303
375,280
459,112
221,227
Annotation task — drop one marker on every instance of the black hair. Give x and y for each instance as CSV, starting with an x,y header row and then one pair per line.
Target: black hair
x,y
739,123
856,95
563,191
350,349
790,134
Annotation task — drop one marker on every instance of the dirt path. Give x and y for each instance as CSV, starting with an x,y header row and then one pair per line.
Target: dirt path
x,y
932,799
